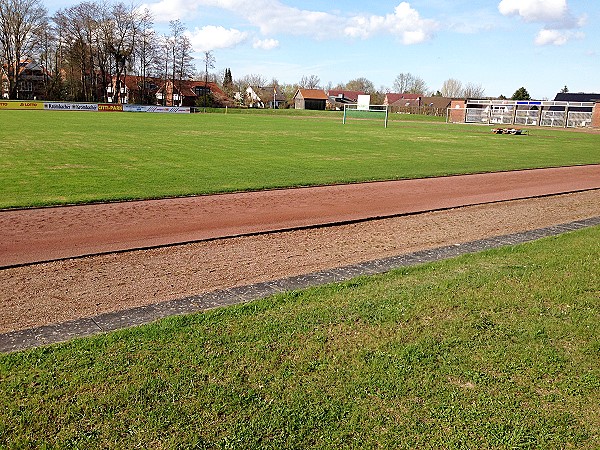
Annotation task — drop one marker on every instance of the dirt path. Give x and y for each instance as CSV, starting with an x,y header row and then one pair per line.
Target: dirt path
x,y
59,291
54,233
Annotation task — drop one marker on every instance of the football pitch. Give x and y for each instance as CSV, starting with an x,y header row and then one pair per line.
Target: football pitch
x,y
49,158
498,349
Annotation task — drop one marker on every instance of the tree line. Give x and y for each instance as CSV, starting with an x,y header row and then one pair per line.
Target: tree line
x,y
86,51
83,48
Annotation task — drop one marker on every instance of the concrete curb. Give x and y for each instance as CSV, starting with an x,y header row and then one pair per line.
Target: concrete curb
x,y
51,334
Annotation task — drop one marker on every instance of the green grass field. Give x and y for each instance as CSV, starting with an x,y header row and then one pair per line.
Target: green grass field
x,y
57,158
496,350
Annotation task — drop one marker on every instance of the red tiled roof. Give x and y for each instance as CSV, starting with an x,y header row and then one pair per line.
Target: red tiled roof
x,y
436,102
187,87
312,94
133,82
393,98
351,95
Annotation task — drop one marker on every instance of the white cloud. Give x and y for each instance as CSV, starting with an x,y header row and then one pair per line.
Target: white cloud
x,y
274,17
535,10
266,44
405,23
556,37
211,38
555,14
553,37
166,10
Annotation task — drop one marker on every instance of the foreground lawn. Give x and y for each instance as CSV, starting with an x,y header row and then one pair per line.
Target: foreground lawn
x,y
57,157
495,350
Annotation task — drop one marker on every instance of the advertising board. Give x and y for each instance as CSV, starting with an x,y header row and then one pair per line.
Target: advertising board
x,y
135,108
156,109
110,107
102,107
169,109
62,106
20,104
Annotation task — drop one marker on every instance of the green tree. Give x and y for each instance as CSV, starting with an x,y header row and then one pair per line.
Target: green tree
x,y
227,79
521,94
228,86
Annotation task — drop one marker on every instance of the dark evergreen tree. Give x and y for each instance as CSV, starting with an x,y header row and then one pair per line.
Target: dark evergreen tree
x,y
521,94
228,79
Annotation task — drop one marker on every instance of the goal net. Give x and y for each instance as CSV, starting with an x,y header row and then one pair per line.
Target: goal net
x,y
368,112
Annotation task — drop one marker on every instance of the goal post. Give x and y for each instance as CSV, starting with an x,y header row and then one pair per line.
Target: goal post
x,y
372,112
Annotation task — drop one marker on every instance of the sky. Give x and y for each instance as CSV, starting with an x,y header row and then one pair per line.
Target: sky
x,y
502,45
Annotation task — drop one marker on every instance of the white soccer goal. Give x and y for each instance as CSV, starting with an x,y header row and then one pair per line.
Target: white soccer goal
x,y
373,112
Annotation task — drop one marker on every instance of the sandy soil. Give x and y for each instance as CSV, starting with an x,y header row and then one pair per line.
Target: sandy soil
x,y
58,291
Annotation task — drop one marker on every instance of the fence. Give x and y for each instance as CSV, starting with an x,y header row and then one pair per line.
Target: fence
x,y
527,117
554,116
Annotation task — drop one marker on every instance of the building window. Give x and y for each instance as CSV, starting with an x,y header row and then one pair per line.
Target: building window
x,y
26,86
201,90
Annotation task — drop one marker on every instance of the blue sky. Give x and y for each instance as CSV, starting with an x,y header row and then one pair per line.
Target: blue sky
x,y
500,44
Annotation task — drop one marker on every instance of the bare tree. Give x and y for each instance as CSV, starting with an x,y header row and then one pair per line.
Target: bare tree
x,y
146,53
254,80
85,54
209,63
21,23
288,91
309,82
473,90
452,88
162,63
361,84
407,83
177,30
124,25
418,87
185,67
48,51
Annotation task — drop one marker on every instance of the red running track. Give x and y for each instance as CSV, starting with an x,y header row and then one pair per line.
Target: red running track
x,y
36,235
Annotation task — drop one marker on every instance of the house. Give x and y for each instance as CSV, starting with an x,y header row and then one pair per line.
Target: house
x,y
32,81
314,99
191,93
134,89
576,97
402,100
337,98
437,104
251,99
264,97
